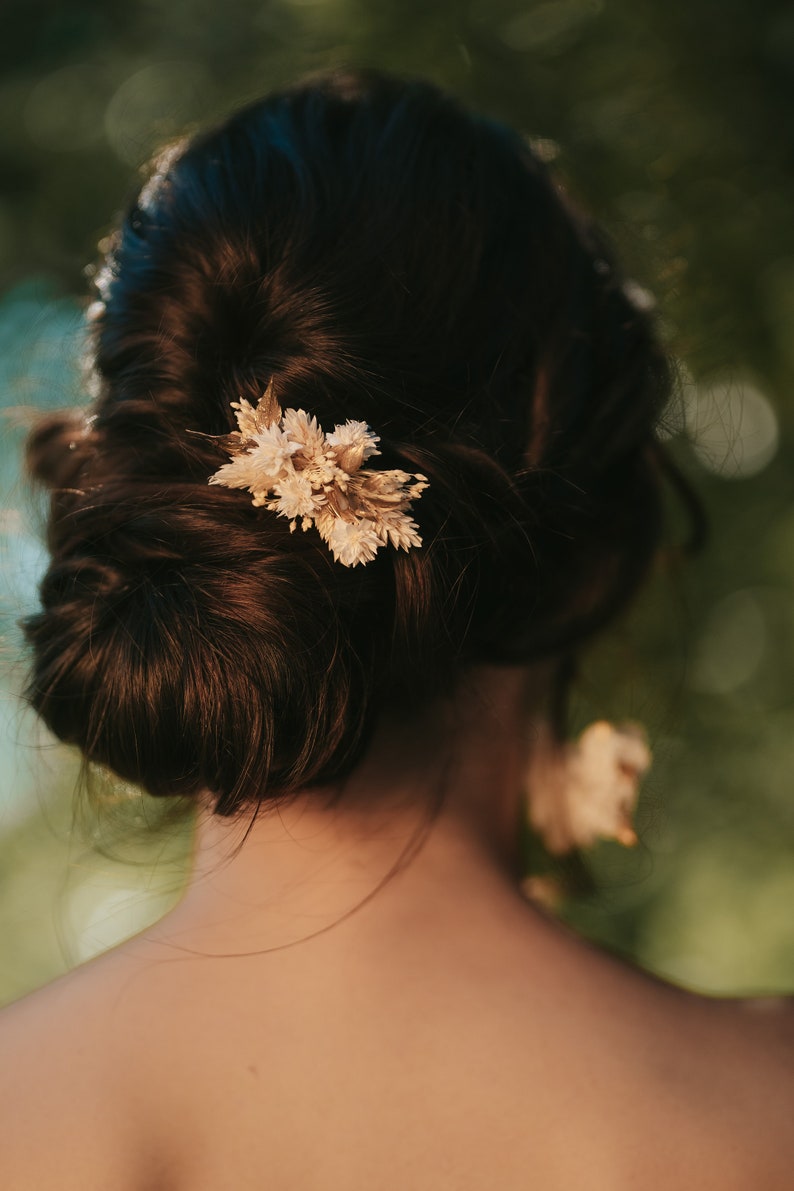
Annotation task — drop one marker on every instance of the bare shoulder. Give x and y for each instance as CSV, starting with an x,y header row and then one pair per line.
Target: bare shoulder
x,y
723,1071
746,1086
692,1087
666,1087
756,1036
66,1120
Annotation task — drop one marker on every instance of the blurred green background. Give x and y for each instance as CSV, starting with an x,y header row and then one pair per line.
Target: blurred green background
x,y
672,122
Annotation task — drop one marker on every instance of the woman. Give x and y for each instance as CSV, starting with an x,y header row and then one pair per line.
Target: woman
x,y
371,459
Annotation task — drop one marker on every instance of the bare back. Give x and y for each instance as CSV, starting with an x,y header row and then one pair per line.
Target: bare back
x,y
507,1054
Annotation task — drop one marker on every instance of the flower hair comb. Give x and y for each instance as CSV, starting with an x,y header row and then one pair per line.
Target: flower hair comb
x,y
291,466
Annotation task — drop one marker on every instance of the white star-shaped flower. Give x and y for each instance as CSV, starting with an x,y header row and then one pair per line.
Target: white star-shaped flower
x,y
353,542
352,444
295,497
304,429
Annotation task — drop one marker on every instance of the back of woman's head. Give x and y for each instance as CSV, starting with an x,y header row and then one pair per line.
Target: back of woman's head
x,y
379,254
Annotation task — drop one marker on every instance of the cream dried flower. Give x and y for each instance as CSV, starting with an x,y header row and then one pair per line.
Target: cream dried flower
x,y
352,542
292,467
352,444
295,497
587,790
261,466
304,429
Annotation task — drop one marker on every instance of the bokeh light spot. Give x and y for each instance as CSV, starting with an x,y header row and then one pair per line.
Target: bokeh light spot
x,y
547,23
732,645
154,104
65,110
732,427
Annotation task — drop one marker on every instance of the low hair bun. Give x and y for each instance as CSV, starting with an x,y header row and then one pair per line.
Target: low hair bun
x,y
212,641
380,255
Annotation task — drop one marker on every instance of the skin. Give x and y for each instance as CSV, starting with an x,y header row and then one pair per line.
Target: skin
x,y
296,1022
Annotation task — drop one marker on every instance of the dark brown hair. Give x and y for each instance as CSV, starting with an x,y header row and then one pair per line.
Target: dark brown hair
x,y
381,254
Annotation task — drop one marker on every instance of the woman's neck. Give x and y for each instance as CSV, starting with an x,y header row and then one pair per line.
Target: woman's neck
x,y
431,813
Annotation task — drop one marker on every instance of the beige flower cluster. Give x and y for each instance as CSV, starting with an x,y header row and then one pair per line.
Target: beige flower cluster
x,y
292,467
587,790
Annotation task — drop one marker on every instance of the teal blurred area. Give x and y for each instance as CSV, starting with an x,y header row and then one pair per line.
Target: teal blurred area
x,y
671,122
73,881
39,327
